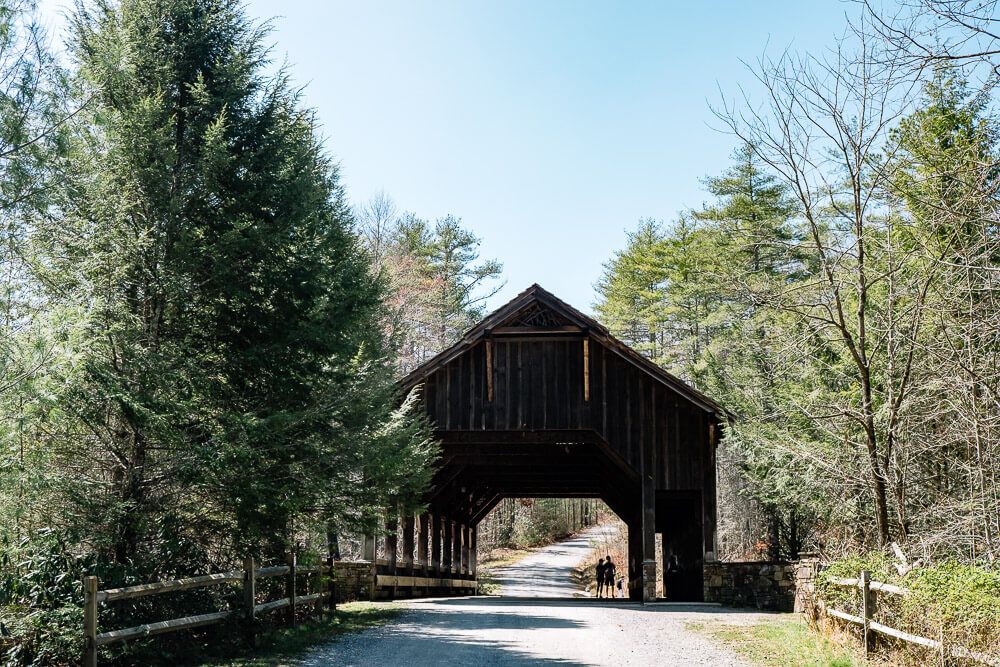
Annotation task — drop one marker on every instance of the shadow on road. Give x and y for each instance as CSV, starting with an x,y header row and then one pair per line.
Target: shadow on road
x,y
460,634
515,602
491,618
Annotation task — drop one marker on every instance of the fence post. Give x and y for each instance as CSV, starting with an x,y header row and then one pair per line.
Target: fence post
x,y
90,621
250,599
290,587
331,586
866,607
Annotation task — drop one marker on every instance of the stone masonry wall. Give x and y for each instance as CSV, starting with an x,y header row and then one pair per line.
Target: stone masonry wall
x,y
354,580
761,585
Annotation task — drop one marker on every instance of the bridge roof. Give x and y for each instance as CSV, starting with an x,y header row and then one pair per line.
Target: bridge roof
x,y
537,295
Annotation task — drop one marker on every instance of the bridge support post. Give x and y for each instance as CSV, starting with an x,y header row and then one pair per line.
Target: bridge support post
x,y
368,550
635,558
447,542
434,523
466,546
407,559
391,540
474,553
456,545
642,558
470,559
422,535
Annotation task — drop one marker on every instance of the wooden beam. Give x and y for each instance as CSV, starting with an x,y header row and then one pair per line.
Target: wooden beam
x,y
517,436
423,537
400,581
447,544
536,331
435,526
487,507
148,629
456,546
143,590
489,370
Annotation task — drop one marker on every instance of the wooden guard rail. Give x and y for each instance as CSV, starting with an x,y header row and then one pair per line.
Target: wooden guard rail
x,y
868,588
250,610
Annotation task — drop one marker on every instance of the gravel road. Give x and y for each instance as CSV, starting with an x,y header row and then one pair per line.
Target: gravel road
x,y
515,630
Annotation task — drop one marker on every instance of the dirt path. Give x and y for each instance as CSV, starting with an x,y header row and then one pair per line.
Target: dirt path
x,y
548,572
515,630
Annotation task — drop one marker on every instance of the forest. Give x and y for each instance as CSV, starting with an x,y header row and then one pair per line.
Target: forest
x,y
838,292
202,329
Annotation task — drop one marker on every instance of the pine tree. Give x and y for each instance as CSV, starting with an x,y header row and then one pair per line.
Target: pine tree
x,y
438,287
235,380
631,301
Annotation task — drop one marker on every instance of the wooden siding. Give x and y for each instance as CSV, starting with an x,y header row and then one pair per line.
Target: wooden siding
x,y
538,386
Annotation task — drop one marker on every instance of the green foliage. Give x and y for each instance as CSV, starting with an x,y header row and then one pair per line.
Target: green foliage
x,y
519,523
958,599
41,600
206,373
696,297
963,599
232,342
44,636
850,567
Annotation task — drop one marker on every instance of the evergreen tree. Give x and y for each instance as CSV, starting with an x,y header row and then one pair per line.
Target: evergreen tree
x,y
697,297
631,300
438,287
234,380
745,364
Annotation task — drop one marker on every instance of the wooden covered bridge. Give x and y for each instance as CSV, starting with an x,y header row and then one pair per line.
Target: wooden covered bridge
x,y
540,400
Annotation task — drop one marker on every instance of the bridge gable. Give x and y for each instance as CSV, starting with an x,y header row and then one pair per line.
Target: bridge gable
x,y
540,367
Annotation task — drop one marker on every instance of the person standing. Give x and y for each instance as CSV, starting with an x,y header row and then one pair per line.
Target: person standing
x,y
601,567
609,577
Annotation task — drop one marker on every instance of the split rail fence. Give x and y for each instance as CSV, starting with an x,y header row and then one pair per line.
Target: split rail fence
x,y
249,611
869,626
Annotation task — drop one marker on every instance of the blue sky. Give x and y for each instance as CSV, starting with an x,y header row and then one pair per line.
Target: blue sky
x,y
550,127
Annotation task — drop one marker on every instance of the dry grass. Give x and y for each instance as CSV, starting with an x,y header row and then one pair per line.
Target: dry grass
x,y
782,642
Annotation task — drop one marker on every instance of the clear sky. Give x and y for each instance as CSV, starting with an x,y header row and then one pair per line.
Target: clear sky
x,y
550,127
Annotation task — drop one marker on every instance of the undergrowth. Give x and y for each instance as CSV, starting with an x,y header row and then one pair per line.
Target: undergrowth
x,y
954,601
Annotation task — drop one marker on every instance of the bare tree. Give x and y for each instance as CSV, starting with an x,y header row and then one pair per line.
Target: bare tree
x,y
825,128
376,220
922,33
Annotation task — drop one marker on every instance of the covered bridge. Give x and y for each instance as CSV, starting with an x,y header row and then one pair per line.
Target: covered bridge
x,y
540,400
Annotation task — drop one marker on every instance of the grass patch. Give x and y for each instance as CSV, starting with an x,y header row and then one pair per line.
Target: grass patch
x,y
282,646
779,643
504,557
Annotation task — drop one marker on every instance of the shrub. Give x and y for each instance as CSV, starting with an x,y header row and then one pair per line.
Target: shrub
x,y
960,602
41,599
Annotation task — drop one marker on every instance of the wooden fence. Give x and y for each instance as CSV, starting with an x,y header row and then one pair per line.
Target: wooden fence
x,y
249,611
869,626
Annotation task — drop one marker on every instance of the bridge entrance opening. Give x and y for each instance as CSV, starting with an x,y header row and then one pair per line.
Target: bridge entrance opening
x,y
564,536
